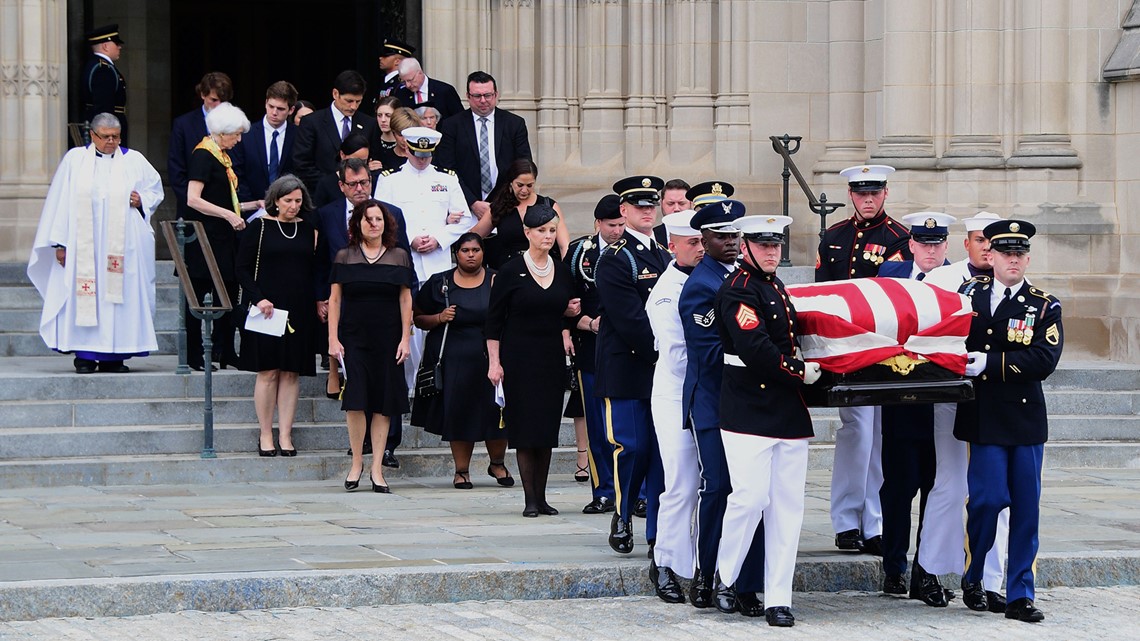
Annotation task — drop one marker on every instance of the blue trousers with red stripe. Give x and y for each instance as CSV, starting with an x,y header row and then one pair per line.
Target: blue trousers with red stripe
x,y
1001,476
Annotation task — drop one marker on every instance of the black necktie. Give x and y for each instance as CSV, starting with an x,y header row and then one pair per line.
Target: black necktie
x,y
921,275
274,159
1008,294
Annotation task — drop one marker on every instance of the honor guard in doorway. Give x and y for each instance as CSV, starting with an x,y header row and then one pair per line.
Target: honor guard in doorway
x,y
102,87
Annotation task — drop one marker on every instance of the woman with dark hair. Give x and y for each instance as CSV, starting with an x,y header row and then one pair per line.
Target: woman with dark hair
x,y
528,338
385,157
302,109
275,260
452,307
370,318
515,193
354,145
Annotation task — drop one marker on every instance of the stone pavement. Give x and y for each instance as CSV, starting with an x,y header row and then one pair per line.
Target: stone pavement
x,y
127,550
1105,614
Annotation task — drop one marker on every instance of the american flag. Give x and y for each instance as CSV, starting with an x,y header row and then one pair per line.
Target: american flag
x,y
851,324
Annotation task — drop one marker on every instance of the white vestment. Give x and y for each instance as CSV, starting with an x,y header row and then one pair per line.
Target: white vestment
x,y
126,327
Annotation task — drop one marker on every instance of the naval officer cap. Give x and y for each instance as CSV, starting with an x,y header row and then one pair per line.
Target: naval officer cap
x,y
608,208
393,47
979,221
719,217
1009,236
863,178
642,191
712,191
421,140
106,33
679,224
764,229
929,227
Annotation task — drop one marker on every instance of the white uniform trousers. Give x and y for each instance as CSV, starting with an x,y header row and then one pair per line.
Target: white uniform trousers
x,y
857,473
676,537
944,529
768,477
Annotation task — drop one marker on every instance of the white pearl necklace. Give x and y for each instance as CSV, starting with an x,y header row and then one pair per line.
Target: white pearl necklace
x,y
540,272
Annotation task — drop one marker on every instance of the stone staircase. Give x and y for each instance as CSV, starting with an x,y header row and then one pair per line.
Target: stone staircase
x,y
59,428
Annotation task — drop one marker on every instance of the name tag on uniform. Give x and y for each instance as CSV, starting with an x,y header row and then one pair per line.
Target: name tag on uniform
x,y
439,187
644,276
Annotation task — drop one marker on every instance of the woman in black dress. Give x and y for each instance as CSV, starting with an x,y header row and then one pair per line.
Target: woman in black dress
x,y
384,155
528,338
370,320
211,194
510,200
275,260
466,411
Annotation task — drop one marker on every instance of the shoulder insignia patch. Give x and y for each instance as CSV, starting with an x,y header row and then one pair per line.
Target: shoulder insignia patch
x,y
896,257
746,318
1053,335
705,320
386,172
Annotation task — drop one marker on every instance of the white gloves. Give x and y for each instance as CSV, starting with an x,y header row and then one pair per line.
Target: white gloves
x,y
811,373
975,363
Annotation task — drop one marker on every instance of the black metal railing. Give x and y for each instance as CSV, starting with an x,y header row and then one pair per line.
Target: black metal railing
x,y
786,146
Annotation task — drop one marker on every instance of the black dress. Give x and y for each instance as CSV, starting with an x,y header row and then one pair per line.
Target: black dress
x,y
388,157
509,240
528,321
286,259
370,329
206,169
466,410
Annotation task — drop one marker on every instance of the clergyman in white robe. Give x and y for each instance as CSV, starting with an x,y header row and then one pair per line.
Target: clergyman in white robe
x,y
107,254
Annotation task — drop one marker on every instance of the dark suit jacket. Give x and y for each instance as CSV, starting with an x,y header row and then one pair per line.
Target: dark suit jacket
x,y
253,173
441,95
332,236
459,147
317,149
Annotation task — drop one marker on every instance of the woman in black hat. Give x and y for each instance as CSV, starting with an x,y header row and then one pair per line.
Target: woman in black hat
x,y
528,338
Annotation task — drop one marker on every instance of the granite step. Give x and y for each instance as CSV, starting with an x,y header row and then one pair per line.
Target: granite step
x,y
26,297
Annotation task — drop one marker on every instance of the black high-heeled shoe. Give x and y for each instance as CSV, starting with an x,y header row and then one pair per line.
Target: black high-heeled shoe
x,y
351,485
285,452
272,451
379,489
505,481
583,473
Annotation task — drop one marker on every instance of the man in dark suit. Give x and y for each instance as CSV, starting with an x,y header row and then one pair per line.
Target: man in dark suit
x,y
190,128
625,354
418,89
481,142
321,132
102,87
331,222
268,147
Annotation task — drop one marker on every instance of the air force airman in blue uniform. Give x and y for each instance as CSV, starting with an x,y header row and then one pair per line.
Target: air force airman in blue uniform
x,y
1015,342
625,357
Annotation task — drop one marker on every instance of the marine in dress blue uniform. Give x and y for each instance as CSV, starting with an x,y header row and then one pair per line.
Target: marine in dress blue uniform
x,y
764,421
1015,342
856,248
582,258
625,356
702,391
102,87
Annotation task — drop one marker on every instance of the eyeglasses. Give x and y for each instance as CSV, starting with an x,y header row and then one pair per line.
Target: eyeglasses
x,y
358,184
109,137
481,96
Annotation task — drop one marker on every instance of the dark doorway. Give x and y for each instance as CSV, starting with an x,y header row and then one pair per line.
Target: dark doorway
x,y
258,42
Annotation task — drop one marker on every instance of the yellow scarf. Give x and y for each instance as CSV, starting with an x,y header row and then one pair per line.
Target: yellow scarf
x,y
209,145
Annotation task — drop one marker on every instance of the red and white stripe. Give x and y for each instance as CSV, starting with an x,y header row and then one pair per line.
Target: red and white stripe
x,y
848,325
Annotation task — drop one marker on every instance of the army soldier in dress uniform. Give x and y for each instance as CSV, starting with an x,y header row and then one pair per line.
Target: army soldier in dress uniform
x,y
582,257
705,363
765,424
1015,342
101,84
392,52
855,248
627,270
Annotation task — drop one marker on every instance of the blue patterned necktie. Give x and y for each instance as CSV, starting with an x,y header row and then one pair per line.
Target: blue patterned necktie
x,y
274,159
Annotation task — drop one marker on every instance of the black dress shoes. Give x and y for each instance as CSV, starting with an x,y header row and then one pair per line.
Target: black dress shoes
x,y
974,596
1023,610
873,546
724,597
389,460
748,604
652,543
780,617
621,535
640,508
113,367
894,584
701,591
996,602
849,540
600,505
547,509
84,366
665,584
925,587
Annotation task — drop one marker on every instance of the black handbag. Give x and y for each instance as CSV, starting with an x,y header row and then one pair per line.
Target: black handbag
x,y
571,383
429,377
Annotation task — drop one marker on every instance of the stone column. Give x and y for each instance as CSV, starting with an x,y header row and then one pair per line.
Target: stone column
x,y
973,100
906,140
846,141
515,59
644,51
602,140
691,112
732,122
1042,93
456,37
557,121
33,111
